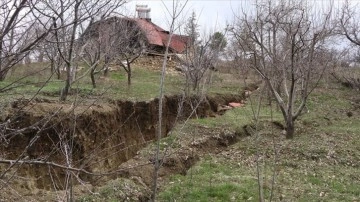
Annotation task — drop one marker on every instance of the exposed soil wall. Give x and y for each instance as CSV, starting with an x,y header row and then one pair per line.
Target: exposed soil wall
x,y
101,136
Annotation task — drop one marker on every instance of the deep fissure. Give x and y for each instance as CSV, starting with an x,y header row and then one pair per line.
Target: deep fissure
x,y
103,136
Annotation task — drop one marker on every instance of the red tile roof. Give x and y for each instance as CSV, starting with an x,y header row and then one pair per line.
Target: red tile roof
x,y
155,35
158,36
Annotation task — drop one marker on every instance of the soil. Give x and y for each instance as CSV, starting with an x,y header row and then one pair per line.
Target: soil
x,y
106,141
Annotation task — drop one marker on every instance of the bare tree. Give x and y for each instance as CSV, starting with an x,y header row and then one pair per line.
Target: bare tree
x,y
349,27
201,54
129,44
174,12
69,17
92,56
117,40
17,36
349,24
198,60
52,55
239,57
286,43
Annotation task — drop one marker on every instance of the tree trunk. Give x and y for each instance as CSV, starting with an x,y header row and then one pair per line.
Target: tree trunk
x,y
290,127
69,60
128,71
65,90
41,56
92,76
73,74
27,59
3,70
58,73
106,71
129,77
195,84
187,85
2,74
55,69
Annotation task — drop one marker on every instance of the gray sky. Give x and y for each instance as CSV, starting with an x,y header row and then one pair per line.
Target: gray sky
x,y
211,15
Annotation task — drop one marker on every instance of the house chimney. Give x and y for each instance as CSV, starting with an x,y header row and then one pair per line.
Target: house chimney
x,y
143,12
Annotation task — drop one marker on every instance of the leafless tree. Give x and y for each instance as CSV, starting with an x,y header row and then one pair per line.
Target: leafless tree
x,y
349,24
92,56
130,46
17,37
68,18
174,13
200,57
117,40
349,27
52,55
345,71
286,42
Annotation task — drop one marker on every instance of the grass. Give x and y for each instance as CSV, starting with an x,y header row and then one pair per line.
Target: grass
x,y
320,164
36,78
211,181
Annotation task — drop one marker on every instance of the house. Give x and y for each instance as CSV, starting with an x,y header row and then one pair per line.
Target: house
x,y
157,37
154,38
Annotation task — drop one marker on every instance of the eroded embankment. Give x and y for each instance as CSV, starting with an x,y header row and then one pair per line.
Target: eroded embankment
x,y
94,139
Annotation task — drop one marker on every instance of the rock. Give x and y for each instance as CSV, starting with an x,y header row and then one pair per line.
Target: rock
x,y
235,104
221,108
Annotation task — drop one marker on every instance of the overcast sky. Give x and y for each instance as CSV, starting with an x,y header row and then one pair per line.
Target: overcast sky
x,y
210,14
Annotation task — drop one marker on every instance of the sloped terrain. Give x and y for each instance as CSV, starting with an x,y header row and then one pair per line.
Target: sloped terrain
x,y
102,138
320,164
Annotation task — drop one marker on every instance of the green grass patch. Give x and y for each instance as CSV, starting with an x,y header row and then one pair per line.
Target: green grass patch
x,y
210,181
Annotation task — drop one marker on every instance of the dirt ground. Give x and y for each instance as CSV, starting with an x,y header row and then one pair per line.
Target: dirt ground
x,y
109,141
